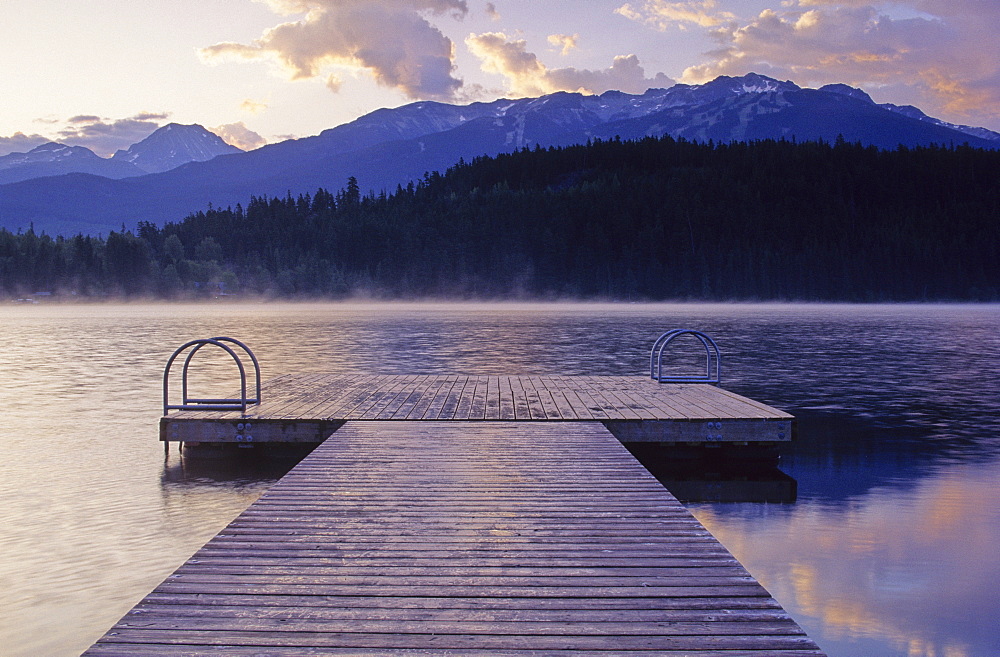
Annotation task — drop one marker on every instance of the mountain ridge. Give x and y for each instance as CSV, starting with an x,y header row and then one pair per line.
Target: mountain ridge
x,y
55,159
174,145
165,148
390,147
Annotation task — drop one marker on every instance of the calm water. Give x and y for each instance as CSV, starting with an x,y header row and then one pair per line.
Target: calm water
x,y
889,548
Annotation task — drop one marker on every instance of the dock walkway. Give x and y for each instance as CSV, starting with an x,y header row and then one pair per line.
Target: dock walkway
x,y
461,538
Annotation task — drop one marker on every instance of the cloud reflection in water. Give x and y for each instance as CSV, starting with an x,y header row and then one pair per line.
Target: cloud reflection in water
x,y
914,567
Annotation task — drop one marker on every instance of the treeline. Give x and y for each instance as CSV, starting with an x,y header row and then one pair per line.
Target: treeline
x,y
647,220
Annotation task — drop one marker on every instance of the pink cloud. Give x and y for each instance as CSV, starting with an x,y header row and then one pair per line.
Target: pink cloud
x,y
526,75
941,55
392,40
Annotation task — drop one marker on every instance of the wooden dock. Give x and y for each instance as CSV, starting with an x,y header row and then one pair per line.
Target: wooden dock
x,y
461,538
308,408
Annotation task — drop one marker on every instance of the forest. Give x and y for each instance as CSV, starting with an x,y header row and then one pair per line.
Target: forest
x,y
654,219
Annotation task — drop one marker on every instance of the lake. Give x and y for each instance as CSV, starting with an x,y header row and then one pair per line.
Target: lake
x,y
882,539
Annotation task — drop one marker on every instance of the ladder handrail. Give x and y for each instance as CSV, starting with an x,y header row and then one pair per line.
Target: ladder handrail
x,y
712,358
202,343
189,404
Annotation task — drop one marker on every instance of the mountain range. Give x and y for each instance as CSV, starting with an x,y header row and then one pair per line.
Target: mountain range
x,y
166,148
391,147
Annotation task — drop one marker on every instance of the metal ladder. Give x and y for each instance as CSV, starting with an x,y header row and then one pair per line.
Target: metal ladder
x,y
191,404
713,359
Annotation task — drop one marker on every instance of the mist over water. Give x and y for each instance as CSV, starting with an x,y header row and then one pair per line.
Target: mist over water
x,y
888,549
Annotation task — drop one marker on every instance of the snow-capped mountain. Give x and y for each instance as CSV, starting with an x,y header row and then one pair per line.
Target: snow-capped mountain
x,y
166,148
46,153
391,147
553,114
914,113
726,109
54,159
173,145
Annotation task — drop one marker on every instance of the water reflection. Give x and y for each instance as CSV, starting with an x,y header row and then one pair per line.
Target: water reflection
x,y
687,484
911,568
227,467
887,550
719,474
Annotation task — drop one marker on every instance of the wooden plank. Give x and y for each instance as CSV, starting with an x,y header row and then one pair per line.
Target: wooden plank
x,y
281,399
550,410
432,394
477,407
488,628
662,607
522,409
449,405
171,608
744,407
506,411
661,401
360,396
382,394
408,398
565,408
582,404
614,407
329,391
492,410
462,537
705,405
279,396
464,405
583,398
359,560
533,399
328,569
408,393
645,408
392,396
434,403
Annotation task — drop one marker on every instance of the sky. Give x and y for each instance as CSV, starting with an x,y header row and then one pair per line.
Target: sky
x,y
105,73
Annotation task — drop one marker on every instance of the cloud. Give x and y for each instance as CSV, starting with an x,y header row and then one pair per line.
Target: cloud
x,y
105,136
527,76
239,135
663,15
151,116
253,106
564,42
334,82
941,55
823,45
83,118
21,143
491,11
391,39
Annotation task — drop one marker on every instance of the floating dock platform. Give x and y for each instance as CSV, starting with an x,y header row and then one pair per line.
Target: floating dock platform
x,y
459,537
309,408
